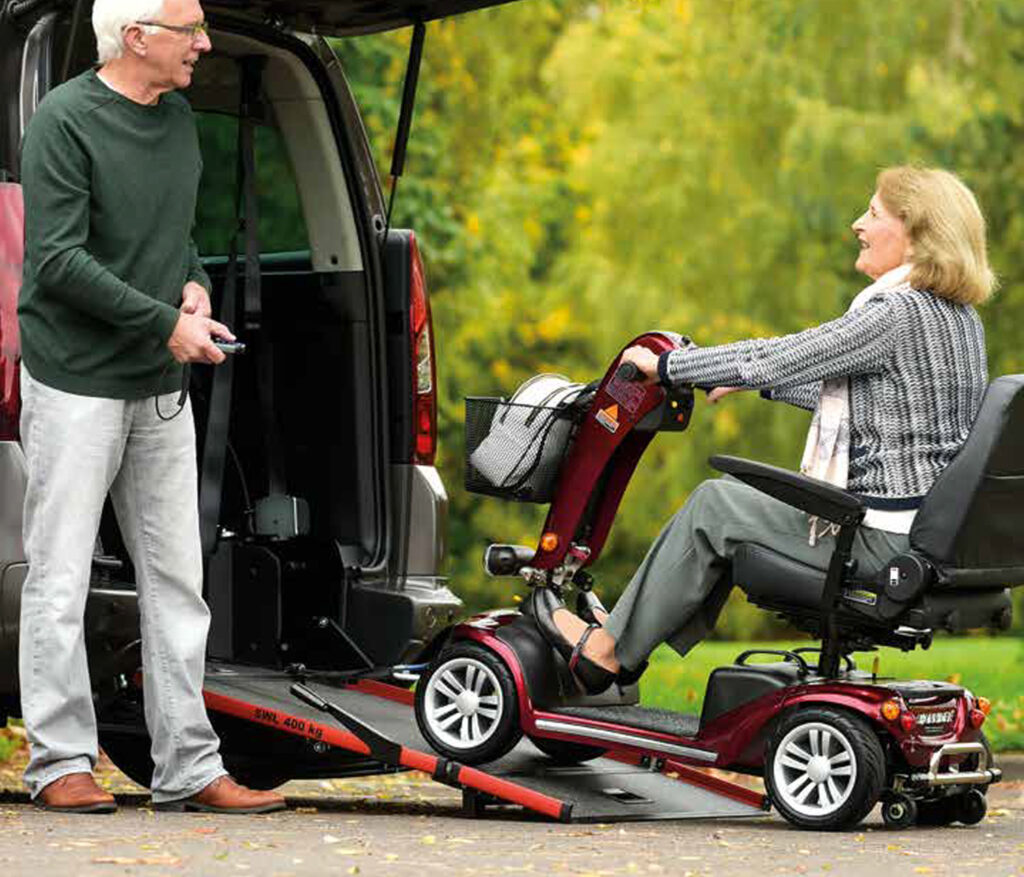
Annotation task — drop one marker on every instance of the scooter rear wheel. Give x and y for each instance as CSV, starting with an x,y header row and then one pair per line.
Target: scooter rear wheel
x,y
825,768
467,706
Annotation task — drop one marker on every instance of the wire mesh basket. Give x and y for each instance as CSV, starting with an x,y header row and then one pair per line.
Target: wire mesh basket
x,y
514,450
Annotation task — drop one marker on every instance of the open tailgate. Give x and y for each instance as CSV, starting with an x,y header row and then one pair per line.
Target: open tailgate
x,y
346,17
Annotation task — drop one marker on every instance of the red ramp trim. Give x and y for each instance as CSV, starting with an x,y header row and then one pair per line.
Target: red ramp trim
x,y
694,777
410,758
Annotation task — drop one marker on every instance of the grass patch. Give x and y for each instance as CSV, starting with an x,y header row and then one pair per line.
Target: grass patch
x,y
11,741
992,667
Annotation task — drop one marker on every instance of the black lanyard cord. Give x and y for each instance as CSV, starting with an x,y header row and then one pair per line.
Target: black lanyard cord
x,y
182,396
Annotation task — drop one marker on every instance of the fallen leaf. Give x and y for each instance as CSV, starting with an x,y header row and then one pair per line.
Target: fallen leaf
x,y
128,860
428,839
331,839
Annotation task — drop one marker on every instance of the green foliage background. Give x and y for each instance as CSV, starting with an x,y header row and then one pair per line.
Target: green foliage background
x,y
581,172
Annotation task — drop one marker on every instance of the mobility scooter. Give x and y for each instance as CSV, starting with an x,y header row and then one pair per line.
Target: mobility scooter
x,y
830,740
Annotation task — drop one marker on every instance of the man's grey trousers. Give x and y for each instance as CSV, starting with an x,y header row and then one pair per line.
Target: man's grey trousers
x,y
79,448
678,592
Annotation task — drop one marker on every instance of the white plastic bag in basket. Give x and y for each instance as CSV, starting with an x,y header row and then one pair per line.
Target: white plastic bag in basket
x,y
515,443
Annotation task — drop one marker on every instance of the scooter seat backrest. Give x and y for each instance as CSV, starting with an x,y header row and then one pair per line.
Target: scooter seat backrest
x,y
970,523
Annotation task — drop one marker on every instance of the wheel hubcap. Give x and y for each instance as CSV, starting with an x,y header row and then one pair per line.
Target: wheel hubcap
x,y
814,769
463,703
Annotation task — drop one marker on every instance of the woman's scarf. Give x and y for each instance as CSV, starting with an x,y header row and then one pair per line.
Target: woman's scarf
x,y
827,452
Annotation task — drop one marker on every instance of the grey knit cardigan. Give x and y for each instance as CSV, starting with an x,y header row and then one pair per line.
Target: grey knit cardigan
x,y
917,369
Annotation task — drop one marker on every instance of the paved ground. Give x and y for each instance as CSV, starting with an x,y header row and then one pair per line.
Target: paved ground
x,y
406,825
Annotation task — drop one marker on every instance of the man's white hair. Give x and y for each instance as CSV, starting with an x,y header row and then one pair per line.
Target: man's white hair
x,y
110,17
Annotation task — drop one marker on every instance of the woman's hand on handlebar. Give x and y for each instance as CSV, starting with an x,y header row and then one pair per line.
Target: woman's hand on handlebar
x,y
644,360
718,392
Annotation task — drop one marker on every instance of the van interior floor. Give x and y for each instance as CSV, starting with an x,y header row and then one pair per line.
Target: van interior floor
x,y
621,786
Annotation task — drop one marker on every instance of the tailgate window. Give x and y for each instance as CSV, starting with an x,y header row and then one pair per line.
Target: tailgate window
x,y
282,228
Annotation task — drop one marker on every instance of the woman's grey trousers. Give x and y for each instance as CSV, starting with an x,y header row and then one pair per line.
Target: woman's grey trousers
x,y
78,448
678,592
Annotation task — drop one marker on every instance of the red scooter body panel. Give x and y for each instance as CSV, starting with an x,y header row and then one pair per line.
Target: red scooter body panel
x,y
736,739
606,443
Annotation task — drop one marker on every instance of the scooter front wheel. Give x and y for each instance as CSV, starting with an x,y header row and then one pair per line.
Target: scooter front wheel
x,y
467,706
825,768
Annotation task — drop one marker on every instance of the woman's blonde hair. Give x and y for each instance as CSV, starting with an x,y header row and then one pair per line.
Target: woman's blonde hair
x,y
946,230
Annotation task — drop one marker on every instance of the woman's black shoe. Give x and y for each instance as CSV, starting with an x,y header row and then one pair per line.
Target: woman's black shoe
x,y
586,603
543,604
591,677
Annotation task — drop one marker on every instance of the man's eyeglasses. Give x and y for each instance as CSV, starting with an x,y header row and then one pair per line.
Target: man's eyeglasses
x,y
192,31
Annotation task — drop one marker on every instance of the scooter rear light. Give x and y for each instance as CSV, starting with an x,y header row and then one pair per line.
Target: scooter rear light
x,y
977,718
908,721
890,710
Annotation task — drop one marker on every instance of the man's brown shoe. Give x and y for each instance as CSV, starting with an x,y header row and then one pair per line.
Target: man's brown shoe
x,y
224,795
75,793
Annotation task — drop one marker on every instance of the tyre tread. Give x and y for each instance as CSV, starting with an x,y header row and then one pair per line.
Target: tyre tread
x,y
871,766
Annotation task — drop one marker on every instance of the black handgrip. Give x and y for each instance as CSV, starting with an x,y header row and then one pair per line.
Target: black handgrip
x,y
791,657
629,372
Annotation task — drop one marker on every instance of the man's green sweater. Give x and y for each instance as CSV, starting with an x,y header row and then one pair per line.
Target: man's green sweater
x,y
110,190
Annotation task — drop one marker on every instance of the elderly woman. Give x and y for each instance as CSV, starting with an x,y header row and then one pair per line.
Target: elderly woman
x,y
894,384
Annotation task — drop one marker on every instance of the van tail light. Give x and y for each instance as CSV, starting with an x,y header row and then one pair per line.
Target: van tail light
x,y
424,374
12,224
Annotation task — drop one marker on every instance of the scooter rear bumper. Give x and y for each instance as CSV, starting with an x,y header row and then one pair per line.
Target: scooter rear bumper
x,y
933,777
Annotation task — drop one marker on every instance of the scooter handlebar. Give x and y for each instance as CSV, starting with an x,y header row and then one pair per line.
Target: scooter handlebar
x,y
629,372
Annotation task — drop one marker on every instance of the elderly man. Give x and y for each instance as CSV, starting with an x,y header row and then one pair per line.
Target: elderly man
x,y
113,301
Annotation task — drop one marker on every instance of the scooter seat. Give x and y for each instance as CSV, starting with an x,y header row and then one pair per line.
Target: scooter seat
x,y
767,576
778,582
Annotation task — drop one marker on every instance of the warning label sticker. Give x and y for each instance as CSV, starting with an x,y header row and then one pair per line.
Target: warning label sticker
x,y
628,394
609,418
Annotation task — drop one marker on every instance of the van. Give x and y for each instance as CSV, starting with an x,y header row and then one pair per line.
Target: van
x,y
323,515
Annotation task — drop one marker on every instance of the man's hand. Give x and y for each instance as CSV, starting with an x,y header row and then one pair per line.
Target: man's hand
x,y
719,392
644,360
191,339
195,299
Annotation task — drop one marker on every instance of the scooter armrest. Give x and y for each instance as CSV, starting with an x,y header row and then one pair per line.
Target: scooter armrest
x,y
811,495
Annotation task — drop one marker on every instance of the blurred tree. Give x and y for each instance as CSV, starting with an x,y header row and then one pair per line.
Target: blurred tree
x,y
583,172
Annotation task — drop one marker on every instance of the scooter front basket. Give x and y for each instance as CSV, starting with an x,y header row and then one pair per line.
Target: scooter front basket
x,y
515,451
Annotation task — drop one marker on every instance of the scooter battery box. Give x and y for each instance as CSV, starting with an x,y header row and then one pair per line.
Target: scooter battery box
x,y
731,687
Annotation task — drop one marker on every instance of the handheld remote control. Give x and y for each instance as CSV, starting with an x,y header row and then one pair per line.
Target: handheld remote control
x,y
229,346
